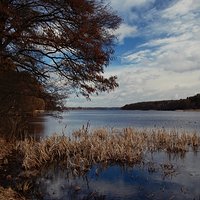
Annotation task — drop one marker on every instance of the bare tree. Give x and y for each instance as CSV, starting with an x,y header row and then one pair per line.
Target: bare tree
x,y
69,40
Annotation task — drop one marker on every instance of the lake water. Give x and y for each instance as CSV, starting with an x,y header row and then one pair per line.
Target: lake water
x,y
68,121
148,181
128,183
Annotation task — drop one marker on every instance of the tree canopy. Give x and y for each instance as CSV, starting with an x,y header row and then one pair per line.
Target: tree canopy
x,y
69,40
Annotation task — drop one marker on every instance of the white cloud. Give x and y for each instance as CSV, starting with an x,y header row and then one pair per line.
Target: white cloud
x,y
174,43
174,54
166,40
139,56
144,83
182,7
124,9
125,31
128,4
167,64
181,18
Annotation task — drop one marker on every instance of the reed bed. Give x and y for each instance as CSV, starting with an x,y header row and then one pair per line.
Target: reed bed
x,y
77,153
83,149
5,149
9,194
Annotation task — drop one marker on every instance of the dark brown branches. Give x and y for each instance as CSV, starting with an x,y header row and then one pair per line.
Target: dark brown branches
x,y
70,38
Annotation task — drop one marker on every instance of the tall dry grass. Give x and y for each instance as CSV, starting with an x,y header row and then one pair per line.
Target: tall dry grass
x,y
9,194
5,149
84,148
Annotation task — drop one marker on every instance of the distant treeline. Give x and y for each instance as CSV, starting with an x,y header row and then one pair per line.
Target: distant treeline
x,y
91,108
182,104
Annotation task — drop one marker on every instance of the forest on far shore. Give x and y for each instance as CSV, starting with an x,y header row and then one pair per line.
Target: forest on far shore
x,y
181,104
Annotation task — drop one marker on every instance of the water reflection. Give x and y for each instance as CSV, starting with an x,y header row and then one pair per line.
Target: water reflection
x,y
66,122
75,119
37,126
17,126
115,182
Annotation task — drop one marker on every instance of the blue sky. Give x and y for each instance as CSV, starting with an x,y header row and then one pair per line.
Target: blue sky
x,y
157,55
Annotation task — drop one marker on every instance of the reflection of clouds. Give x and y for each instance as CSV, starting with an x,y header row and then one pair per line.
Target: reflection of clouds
x,y
137,183
59,187
118,188
188,172
54,188
37,128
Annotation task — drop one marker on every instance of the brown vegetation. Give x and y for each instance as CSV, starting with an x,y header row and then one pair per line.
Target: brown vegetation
x,y
5,150
84,149
9,194
66,43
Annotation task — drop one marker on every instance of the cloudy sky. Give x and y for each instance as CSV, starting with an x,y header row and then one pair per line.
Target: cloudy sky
x,y
157,55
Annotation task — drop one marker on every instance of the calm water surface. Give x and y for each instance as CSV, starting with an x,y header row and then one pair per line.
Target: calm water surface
x,y
46,125
149,181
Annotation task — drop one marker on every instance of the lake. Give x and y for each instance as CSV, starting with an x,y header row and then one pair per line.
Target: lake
x,y
161,176
68,121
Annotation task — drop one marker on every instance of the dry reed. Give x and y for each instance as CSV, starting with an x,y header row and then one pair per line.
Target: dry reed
x,y
84,149
5,149
9,194
102,146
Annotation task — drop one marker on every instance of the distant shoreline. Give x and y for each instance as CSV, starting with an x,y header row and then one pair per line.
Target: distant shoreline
x,y
118,108
189,110
190,103
93,108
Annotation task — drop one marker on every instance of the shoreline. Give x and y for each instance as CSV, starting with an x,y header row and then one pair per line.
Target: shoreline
x,y
190,110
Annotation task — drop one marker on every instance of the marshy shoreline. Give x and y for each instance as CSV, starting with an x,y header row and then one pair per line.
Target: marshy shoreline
x,y
21,161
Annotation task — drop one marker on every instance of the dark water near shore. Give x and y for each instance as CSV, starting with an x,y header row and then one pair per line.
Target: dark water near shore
x,y
46,125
